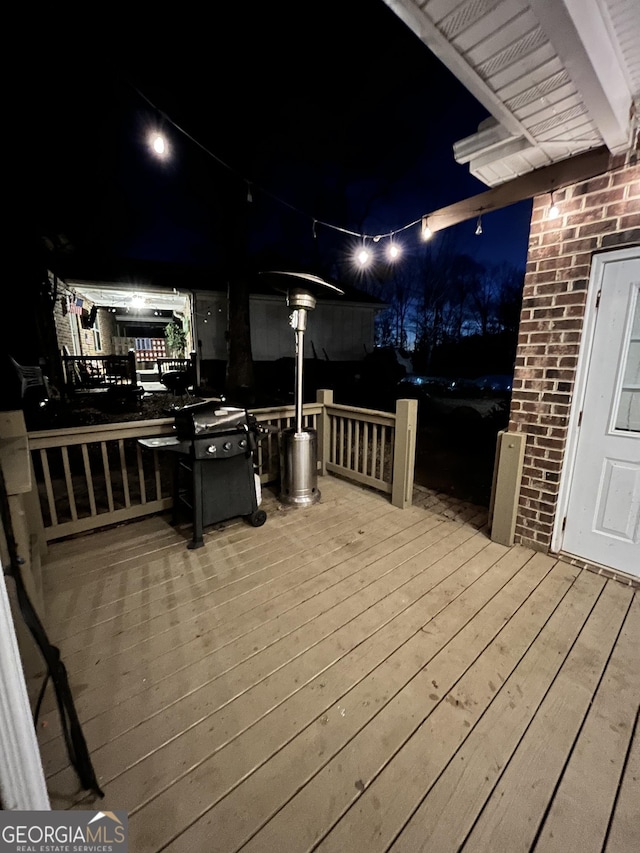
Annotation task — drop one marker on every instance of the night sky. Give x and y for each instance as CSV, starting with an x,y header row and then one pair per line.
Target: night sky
x,y
332,111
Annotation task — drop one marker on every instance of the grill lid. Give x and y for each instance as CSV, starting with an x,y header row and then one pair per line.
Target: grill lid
x,y
209,418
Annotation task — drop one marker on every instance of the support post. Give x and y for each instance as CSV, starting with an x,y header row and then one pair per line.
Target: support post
x,y
506,486
325,397
404,453
195,368
133,375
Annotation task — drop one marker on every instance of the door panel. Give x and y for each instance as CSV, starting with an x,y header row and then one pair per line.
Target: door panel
x,y
603,508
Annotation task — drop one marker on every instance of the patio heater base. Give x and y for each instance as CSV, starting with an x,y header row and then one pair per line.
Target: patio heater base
x,y
299,467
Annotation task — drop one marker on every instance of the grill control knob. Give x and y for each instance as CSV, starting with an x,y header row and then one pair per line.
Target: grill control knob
x,y
242,443
212,448
226,445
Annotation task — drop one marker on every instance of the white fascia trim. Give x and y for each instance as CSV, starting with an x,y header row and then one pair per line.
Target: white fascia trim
x,y
419,22
478,143
582,41
22,784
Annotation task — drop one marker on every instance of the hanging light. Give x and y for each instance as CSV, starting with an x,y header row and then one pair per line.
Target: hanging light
x,y
554,210
479,226
394,249
427,233
363,257
159,145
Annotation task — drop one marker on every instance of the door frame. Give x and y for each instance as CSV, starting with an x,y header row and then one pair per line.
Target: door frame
x,y
599,263
22,782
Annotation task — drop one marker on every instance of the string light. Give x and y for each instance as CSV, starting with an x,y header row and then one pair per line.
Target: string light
x,y
159,145
393,252
251,186
363,255
554,210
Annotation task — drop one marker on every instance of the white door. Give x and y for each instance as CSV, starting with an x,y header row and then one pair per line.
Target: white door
x,y
602,522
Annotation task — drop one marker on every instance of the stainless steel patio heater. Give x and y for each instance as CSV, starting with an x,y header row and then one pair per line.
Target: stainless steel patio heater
x,y
299,445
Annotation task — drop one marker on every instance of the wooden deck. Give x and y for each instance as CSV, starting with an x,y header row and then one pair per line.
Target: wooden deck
x,y
348,677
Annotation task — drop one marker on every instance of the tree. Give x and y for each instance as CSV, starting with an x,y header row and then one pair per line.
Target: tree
x,y
176,338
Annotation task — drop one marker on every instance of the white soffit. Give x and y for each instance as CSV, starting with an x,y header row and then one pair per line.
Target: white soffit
x,y
117,296
558,76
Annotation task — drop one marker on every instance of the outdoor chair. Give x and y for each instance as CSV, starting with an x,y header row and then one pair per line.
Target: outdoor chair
x,y
30,377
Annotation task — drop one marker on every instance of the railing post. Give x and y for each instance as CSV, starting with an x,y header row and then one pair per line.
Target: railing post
x,y
404,453
195,368
505,491
133,375
325,397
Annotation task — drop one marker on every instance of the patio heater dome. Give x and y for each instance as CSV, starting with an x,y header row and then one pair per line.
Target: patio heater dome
x,y
298,445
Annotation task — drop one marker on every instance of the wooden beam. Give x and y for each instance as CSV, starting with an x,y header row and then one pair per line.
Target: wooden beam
x,y
543,180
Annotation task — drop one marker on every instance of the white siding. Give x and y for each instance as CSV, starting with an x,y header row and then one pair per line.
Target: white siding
x,y
341,331
210,312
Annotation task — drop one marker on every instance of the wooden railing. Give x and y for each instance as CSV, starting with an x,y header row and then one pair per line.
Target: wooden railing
x,y
87,372
89,477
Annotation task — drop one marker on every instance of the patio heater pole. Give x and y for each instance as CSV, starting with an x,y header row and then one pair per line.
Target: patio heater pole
x,y
299,445
299,470
301,301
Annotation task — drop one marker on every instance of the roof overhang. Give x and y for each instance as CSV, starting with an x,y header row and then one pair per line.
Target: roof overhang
x,y
105,295
559,77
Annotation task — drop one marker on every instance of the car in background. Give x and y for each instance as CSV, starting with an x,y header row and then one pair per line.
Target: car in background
x,y
495,384
421,387
463,387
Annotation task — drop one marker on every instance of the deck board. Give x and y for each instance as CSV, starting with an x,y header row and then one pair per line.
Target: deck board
x,y
624,828
350,676
603,741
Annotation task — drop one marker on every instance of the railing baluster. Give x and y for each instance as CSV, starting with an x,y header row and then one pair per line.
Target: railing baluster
x,y
107,475
333,456
374,449
69,482
143,487
125,476
157,472
349,443
356,456
44,459
88,475
365,448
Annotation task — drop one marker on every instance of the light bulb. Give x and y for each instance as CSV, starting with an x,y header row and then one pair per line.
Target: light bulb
x,y
426,231
159,145
554,211
394,251
363,257
479,226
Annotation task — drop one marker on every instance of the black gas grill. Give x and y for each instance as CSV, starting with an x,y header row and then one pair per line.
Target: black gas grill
x,y
214,472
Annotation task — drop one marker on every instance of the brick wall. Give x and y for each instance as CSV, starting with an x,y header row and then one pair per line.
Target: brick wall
x,y
105,323
61,320
595,215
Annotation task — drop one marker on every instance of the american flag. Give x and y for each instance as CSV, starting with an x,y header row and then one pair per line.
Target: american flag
x,y
75,306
